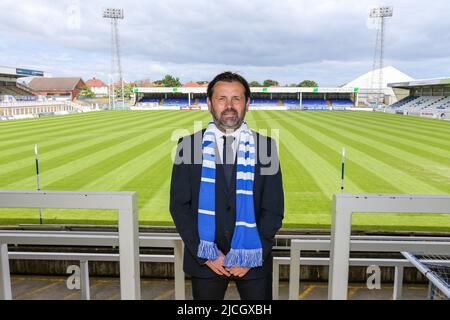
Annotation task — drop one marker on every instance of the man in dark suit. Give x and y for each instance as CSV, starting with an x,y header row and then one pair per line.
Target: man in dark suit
x,y
228,98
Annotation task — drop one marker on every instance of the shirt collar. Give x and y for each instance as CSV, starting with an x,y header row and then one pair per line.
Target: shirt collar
x,y
219,133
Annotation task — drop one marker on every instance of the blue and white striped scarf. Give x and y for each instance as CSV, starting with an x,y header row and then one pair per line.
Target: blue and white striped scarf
x,y
246,248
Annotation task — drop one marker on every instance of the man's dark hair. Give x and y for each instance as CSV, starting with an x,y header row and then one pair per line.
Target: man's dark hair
x,y
228,77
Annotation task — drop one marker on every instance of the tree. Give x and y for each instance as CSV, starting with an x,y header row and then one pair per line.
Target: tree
x,y
308,83
270,83
255,84
169,81
127,90
86,92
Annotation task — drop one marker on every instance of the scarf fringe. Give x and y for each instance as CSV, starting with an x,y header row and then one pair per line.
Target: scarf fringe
x,y
207,250
249,258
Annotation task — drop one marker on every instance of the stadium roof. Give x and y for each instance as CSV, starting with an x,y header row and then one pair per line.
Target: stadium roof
x,y
54,84
13,72
420,83
202,90
390,74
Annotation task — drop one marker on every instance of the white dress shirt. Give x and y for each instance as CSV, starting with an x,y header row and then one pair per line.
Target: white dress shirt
x,y
219,140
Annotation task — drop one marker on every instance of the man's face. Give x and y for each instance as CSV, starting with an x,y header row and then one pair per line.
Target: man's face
x,y
228,105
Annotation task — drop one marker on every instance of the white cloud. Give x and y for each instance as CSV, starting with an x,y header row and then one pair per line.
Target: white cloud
x,y
327,41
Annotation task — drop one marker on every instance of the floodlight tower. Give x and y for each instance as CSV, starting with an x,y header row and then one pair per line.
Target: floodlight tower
x,y
376,95
114,15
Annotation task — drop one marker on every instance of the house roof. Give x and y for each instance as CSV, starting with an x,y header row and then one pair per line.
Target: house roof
x,y
54,84
191,84
95,83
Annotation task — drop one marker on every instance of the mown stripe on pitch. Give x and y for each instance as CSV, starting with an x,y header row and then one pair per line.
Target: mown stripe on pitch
x,y
154,198
102,163
154,194
424,135
151,179
60,170
303,195
439,178
326,176
46,134
430,132
142,132
371,183
422,124
412,120
11,126
153,204
403,181
413,147
438,173
60,138
66,150
251,121
66,125
125,172
56,122
428,145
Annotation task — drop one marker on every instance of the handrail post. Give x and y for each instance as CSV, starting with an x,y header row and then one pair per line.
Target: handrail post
x,y
130,287
85,287
339,250
398,283
178,271
5,279
275,280
294,272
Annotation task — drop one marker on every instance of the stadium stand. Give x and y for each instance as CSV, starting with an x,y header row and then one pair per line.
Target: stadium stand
x,y
315,104
176,102
149,99
427,106
427,98
202,101
416,104
263,102
403,102
342,102
294,102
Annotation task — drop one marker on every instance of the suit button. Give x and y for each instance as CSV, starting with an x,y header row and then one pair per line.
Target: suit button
x,y
229,208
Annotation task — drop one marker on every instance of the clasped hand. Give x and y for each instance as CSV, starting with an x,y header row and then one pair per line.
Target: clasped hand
x,y
218,267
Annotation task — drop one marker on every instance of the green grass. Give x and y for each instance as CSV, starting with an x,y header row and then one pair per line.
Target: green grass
x,y
131,151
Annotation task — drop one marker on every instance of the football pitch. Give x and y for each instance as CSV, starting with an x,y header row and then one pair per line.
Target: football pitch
x,y
131,151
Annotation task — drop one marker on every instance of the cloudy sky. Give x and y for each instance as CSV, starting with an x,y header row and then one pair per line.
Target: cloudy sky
x,y
286,40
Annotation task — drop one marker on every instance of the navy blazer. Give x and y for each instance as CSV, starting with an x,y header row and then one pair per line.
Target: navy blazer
x,y
184,192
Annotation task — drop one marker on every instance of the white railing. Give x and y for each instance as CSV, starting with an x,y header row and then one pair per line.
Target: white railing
x,y
363,244
18,104
128,240
97,239
344,205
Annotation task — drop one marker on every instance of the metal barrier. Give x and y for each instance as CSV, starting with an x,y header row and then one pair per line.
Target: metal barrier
x,y
298,245
399,264
344,205
308,243
111,239
84,259
128,240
